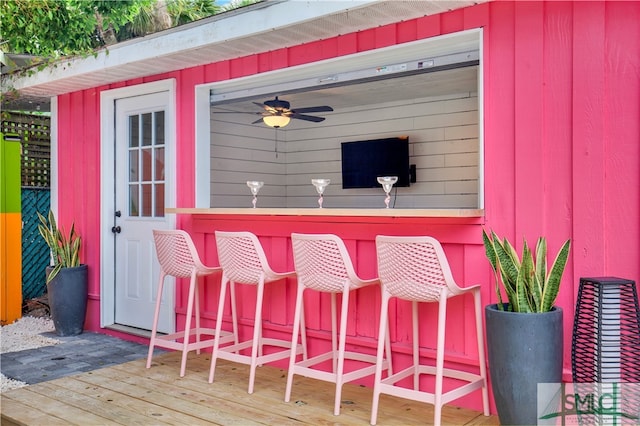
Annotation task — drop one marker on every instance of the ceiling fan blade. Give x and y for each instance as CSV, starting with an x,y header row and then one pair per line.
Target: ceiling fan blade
x,y
278,107
306,117
323,108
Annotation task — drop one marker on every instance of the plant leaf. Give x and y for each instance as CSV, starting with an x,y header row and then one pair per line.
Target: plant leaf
x,y
541,261
552,286
64,248
508,266
526,287
490,252
54,272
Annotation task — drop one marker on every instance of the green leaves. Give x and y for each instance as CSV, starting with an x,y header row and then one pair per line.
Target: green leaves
x,y
65,249
528,286
54,28
550,291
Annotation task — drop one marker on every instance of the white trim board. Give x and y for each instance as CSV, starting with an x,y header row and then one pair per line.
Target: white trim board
x,y
463,42
442,50
107,153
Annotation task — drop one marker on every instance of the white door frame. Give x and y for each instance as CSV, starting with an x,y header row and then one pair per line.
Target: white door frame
x,y
107,182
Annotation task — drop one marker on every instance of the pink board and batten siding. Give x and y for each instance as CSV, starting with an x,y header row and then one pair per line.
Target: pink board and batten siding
x,y
561,155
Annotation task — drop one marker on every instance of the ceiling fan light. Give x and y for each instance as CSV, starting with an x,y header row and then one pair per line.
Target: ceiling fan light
x,y
276,120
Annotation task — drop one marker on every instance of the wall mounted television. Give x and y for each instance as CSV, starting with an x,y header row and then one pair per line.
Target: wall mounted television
x,y
363,161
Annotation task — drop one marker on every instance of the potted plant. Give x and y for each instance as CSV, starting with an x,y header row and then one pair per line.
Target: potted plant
x,y
66,278
524,336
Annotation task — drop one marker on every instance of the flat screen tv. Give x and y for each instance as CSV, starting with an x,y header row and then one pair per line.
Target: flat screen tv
x,y
363,161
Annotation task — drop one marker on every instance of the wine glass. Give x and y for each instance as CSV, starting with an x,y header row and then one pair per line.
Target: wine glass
x,y
254,186
387,183
320,185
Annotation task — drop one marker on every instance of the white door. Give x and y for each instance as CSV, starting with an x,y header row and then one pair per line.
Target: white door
x,y
143,184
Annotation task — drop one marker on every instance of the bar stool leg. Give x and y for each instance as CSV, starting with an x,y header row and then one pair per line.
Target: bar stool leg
x,y
187,324
216,342
334,332
234,313
442,314
297,319
388,347
481,359
257,335
303,334
342,344
383,335
415,344
197,309
156,316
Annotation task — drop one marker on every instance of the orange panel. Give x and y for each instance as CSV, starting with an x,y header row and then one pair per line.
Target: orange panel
x,y
10,267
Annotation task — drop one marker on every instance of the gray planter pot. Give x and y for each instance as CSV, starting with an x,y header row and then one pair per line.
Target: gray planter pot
x,y
67,294
523,350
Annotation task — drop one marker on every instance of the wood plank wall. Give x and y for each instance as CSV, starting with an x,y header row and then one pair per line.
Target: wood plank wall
x,y
443,144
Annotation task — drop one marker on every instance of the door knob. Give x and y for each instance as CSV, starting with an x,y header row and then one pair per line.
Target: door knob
x,y
116,229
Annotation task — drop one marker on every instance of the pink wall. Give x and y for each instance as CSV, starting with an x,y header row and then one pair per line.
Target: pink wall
x,y
562,155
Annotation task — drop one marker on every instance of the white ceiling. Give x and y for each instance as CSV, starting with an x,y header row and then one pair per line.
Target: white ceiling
x,y
423,85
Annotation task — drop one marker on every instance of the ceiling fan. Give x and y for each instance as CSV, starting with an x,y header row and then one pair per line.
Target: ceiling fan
x,y
277,113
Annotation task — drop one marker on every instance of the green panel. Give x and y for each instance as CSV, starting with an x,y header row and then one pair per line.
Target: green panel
x,y
10,192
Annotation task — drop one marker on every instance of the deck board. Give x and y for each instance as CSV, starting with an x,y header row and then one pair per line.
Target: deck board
x,y
15,412
131,394
45,398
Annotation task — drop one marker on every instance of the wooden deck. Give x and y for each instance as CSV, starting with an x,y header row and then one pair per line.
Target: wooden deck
x,y
130,394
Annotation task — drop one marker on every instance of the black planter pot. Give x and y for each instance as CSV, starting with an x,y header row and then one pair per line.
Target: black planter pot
x,y
523,350
68,299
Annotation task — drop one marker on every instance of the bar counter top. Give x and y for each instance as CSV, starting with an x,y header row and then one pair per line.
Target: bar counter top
x,y
382,212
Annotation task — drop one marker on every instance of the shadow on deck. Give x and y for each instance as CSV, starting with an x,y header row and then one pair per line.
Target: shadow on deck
x,y
131,394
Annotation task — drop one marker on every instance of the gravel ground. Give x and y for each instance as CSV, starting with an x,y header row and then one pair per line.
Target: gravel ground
x,y
23,334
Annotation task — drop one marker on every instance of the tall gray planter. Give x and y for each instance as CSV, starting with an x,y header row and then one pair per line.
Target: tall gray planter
x,y
67,294
524,349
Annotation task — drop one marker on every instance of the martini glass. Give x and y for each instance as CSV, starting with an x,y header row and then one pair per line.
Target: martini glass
x,y
387,183
254,186
320,185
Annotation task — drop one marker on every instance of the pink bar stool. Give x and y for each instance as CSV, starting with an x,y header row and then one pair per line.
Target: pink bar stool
x,y
179,258
323,264
243,261
416,269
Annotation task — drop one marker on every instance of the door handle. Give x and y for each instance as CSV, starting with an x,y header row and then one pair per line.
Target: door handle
x,y
116,229
118,213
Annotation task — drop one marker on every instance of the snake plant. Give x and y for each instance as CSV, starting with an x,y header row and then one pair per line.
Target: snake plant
x,y
65,249
529,286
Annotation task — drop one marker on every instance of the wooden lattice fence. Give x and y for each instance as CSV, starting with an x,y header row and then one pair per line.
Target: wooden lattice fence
x,y
35,132
35,253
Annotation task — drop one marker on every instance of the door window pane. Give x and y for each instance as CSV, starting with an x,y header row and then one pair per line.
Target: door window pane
x,y
146,165
159,200
146,200
159,164
133,166
147,135
133,200
134,130
159,127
